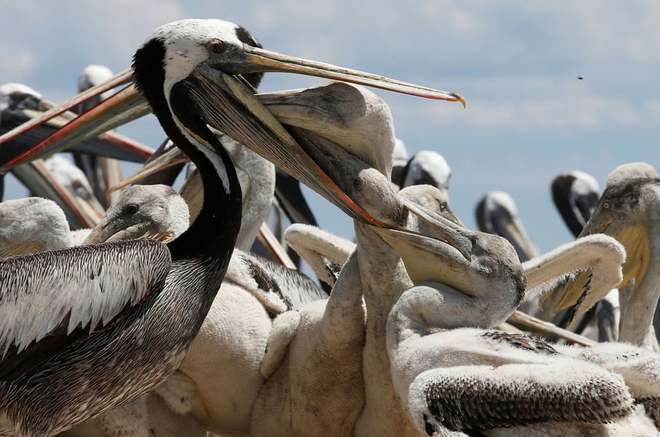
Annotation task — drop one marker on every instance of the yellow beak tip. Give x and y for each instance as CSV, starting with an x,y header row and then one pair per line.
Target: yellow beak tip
x,y
460,98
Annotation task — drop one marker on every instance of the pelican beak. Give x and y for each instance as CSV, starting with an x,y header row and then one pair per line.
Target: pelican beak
x,y
72,133
434,249
248,59
514,231
41,182
228,104
167,159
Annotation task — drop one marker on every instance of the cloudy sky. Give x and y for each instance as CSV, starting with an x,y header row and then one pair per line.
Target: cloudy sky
x,y
517,62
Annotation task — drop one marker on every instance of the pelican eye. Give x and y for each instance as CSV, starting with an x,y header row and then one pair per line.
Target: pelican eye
x,y
606,205
131,208
216,46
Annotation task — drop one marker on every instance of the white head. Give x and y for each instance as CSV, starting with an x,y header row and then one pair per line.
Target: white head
x,y
93,75
188,42
584,183
500,199
428,167
11,90
400,153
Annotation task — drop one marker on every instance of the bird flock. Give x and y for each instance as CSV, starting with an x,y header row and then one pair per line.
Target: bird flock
x,y
198,296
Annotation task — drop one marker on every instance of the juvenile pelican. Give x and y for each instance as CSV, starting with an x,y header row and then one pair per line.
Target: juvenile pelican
x,y
627,212
381,278
32,225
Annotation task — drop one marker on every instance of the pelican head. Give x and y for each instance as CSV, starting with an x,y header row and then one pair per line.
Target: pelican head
x,y
625,211
91,76
575,195
497,214
16,96
143,211
427,167
442,253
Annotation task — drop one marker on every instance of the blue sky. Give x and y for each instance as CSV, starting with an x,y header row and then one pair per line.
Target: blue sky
x,y
517,62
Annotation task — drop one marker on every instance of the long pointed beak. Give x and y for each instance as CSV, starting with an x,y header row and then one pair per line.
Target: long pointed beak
x,y
516,234
169,158
125,106
42,183
253,59
230,106
121,78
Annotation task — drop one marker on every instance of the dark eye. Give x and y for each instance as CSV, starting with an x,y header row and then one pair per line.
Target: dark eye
x,y
131,208
215,46
606,205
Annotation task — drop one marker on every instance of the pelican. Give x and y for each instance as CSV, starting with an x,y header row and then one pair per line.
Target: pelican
x,y
575,195
426,168
255,174
19,103
382,279
399,161
186,64
496,213
626,212
91,76
32,225
371,271
74,180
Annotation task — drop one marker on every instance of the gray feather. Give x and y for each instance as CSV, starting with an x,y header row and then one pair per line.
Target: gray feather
x,y
90,285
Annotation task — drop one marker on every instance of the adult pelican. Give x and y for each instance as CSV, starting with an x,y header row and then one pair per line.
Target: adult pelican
x,y
575,195
497,213
426,167
91,76
20,103
190,74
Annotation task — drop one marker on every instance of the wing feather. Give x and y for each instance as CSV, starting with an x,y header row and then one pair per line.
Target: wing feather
x,y
89,285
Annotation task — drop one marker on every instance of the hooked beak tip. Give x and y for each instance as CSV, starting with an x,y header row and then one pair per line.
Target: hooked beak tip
x,y
460,98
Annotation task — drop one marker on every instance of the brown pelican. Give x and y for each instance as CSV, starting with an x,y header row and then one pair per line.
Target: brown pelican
x,y
156,212
399,161
185,72
575,195
255,174
496,213
19,103
91,76
426,167
382,279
